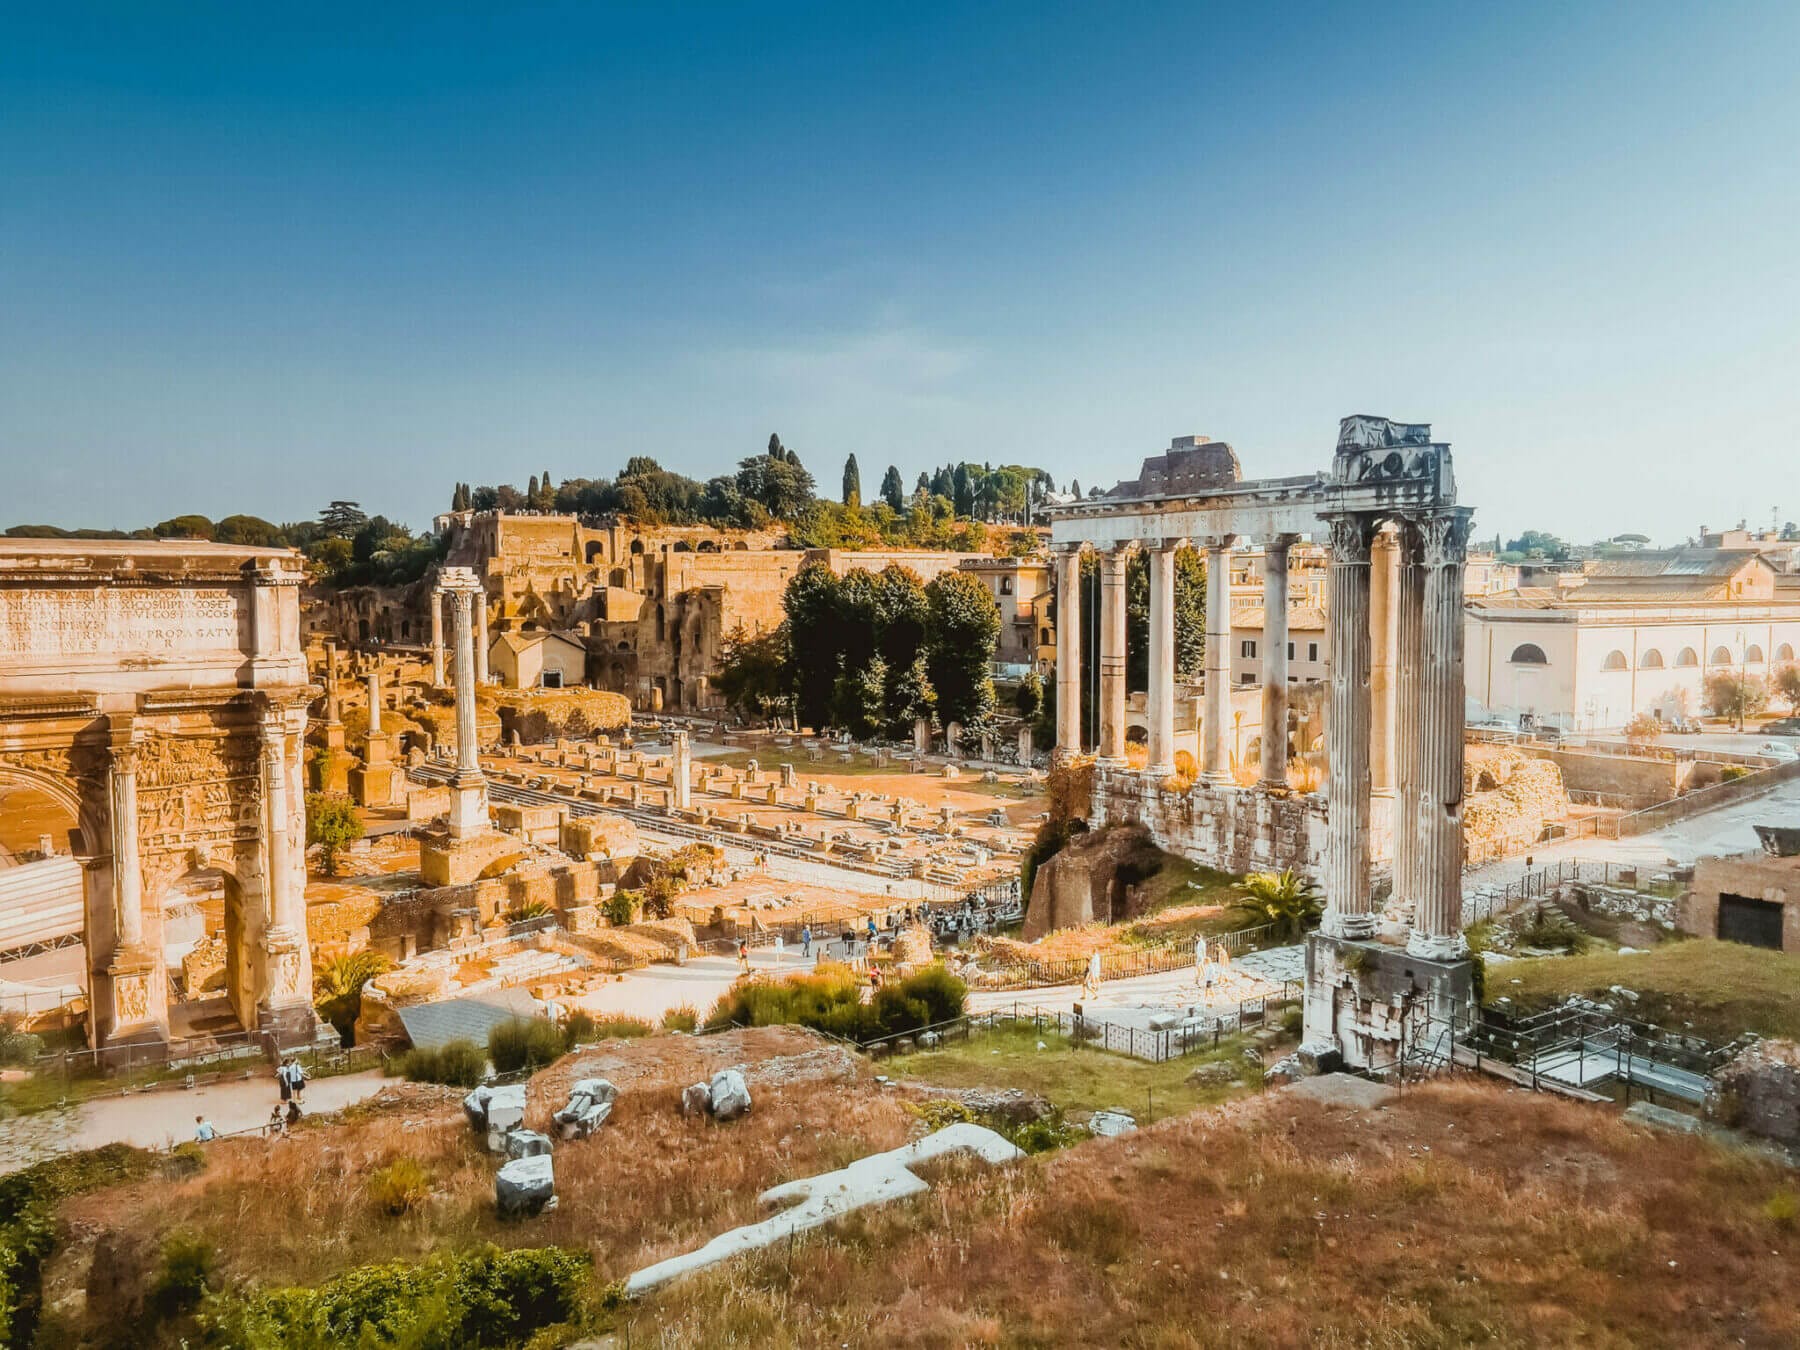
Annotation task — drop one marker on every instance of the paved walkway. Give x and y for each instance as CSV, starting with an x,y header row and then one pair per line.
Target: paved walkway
x,y
1133,1001
166,1116
654,990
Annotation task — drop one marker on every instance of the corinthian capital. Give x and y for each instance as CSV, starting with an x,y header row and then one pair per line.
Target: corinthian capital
x,y
1351,536
1444,538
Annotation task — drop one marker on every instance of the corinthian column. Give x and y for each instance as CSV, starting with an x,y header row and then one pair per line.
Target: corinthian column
x,y
1437,928
1409,602
1384,640
1347,733
1217,746
437,638
1068,652
1112,657
1161,694
128,871
468,753
1275,662
481,637
285,907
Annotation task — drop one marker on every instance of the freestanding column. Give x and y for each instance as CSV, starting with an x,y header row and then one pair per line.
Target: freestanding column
x,y
1068,653
332,716
481,637
128,872
468,786
1161,696
1347,733
1409,602
1384,639
1112,657
1437,929
681,773
1218,660
437,638
1275,662
375,700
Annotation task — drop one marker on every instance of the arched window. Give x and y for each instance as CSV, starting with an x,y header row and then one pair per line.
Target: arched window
x,y
1615,660
1687,656
1785,652
1753,655
1721,656
637,545
596,550
1529,654
1651,660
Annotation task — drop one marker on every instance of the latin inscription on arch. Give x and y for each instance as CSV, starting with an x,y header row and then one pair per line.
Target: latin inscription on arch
x,y
111,620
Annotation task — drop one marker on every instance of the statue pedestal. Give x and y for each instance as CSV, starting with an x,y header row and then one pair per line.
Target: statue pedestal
x,y
447,859
285,1010
135,1001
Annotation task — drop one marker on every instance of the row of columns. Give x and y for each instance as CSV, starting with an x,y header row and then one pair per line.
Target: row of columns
x,y
1400,596
1216,713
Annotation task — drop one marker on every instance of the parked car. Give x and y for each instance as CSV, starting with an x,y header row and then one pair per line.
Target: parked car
x,y
1787,726
1547,733
1778,750
1682,726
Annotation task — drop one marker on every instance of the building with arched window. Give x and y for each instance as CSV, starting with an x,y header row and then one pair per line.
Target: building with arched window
x,y
1630,635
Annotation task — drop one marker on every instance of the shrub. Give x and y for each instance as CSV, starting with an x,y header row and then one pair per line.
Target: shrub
x,y
458,1063
622,1028
1730,773
522,1044
188,1269
400,1187
482,1297
683,1018
338,986
20,1047
830,1000
1782,1209
578,1029
1552,930
620,908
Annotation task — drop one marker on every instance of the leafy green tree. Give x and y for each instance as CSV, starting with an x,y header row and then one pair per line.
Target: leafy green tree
x,y
1539,544
814,641
753,675
962,629
859,698
909,697
1786,685
852,483
776,481
893,491
249,531
185,527
1190,616
333,823
1730,694
342,519
1028,698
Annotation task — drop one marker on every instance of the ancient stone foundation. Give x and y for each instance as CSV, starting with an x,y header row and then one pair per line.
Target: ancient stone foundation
x,y
1384,1004
1230,828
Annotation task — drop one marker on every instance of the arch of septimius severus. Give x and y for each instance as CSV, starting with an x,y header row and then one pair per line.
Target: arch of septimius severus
x,y
157,692
1389,497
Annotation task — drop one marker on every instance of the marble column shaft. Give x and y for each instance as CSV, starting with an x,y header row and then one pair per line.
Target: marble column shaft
x,y
1347,733
1409,596
1161,694
1112,656
1437,923
437,639
1068,652
1384,641
286,910
481,637
375,702
128,871
468,757
332,714
1274,771
1216,738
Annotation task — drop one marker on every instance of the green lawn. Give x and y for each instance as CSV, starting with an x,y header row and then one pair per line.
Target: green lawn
x,y
1076,1079
1722,988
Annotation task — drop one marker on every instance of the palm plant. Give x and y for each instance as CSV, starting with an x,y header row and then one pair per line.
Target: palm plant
x,y
1285,900
337,987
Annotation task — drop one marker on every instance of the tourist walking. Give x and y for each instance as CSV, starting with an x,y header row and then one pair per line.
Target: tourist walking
x,y
204,1133
805,941
743,956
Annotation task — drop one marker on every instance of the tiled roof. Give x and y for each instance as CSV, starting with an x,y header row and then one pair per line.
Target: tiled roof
x,y
431,1025
1301,618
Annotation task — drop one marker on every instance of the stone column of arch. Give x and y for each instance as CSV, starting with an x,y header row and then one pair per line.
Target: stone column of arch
x,y
1160,698
1437,923
1215,740
1347,913
1409,602
1112,658
284,1003
128,869
437,638
1068,652
1274,768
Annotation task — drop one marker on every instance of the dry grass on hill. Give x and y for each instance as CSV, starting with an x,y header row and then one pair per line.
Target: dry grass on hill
x,y
1465,1214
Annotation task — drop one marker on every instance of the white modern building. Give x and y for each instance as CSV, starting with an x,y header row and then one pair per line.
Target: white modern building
x,y
1630,635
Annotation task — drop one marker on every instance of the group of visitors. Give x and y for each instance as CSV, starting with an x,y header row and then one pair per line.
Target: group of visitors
x,y
290,1080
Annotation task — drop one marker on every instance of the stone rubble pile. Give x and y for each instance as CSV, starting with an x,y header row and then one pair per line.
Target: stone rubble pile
x,y
726,1097
590,1103
526,1186
495,1111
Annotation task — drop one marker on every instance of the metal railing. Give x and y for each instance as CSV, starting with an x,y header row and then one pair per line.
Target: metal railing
x,y
1548,880
1149,960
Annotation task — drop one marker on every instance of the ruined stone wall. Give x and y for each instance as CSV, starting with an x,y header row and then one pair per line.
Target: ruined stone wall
x,y
1230,828
1509,798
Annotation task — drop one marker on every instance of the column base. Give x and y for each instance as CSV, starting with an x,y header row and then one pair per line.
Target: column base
x,y
1158,772
1108,762
1219,778
1396,923
1347,927
1435,947
468,806
1274,784
137,998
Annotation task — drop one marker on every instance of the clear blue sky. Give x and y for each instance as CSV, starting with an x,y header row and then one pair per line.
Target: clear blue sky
x,y
255,257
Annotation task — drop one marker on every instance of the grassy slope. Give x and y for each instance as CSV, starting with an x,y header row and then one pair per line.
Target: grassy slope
x,y
1075,1079
1462,1214
1721,987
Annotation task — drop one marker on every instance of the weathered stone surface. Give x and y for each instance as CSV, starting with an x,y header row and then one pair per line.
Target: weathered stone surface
x,y
1013,1106
590,1103
526,1144
1319,1057
525,1186
502,1110
1088,880
1213,1075
1759,1091
1109,1124
696,1099
729,1095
